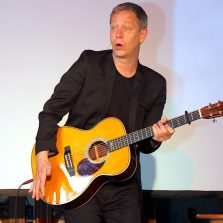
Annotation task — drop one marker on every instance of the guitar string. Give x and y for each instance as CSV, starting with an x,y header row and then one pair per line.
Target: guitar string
x,y
129,139
120,142
178,121
134,136
102,148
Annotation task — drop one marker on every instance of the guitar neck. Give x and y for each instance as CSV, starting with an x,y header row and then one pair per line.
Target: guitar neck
x,y
147,132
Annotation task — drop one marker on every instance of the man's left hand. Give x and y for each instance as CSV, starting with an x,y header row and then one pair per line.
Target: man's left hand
x,y
162,131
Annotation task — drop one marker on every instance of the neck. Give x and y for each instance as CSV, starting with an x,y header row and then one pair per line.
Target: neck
x,y
125,66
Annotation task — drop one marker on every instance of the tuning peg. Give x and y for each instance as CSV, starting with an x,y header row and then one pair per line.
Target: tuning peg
x,y
214,120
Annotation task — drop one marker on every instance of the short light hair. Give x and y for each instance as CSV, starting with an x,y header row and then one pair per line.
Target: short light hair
x,y
138,10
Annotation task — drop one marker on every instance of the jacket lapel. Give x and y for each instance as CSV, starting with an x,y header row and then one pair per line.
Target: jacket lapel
x,y
110,72
137,87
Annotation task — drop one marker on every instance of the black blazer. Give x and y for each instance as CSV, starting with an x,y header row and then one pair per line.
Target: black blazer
x,y
85,92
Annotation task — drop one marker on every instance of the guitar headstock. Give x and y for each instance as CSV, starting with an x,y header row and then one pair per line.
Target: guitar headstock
x,y
212,110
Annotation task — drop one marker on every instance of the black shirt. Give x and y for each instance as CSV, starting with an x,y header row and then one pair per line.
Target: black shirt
x,y
121,98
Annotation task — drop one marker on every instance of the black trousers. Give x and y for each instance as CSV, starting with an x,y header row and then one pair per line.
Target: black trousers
x,y
113,203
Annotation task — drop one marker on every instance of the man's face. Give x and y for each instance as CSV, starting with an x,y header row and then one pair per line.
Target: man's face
x,y
126,35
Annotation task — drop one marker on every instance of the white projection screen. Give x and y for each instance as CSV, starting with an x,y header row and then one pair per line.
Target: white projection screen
x,y
40,40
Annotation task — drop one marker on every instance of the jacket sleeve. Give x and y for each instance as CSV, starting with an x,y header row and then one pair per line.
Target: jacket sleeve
x,y
154,115
64,96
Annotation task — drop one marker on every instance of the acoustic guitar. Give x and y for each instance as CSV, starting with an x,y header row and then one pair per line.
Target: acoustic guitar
x,y
87,159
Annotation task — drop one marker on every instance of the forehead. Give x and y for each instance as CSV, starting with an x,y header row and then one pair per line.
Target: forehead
x,y
124,16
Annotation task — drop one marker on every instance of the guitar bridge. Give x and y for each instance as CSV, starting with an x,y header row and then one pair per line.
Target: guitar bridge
x,y
68,160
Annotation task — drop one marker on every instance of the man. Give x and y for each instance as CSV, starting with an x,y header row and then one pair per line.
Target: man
x,y
99,85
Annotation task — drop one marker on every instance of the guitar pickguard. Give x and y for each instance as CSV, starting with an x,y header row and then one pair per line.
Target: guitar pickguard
x,y
86,168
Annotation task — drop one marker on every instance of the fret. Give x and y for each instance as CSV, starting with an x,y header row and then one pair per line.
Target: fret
x,y
173,122
191,117
178,122
146,134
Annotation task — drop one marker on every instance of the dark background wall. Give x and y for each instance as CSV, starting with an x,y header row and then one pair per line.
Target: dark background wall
x,y
158,207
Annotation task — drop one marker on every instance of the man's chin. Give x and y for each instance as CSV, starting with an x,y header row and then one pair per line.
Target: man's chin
x,y
119,54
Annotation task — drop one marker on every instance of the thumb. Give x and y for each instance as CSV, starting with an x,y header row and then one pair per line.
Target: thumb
x,y
48,169
163,120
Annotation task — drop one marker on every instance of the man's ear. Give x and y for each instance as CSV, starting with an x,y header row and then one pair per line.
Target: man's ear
x,y
143,34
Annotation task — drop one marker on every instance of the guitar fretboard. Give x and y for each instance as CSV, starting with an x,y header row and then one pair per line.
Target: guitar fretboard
x,y
147,132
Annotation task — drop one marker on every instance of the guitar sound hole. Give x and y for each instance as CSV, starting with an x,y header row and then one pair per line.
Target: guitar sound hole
x,y
98,151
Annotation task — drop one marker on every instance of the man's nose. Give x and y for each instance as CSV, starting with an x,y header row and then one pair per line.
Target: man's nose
x,y
119,33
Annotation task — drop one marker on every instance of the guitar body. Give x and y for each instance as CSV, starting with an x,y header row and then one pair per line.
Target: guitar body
x,y
84,163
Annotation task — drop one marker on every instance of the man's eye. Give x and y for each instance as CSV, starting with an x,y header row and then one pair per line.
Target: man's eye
x,y
113,28
126,29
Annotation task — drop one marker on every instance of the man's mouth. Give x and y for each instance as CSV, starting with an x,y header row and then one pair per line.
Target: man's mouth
x,y
118,45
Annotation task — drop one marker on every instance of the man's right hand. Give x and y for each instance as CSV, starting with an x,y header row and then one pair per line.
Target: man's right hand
x,y
43,169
